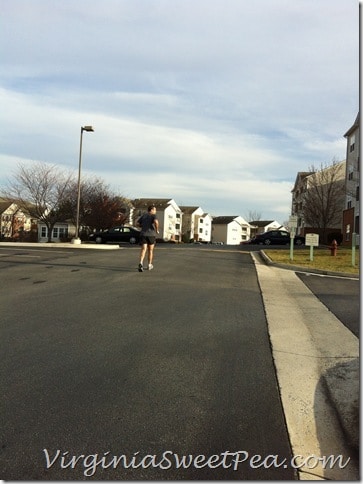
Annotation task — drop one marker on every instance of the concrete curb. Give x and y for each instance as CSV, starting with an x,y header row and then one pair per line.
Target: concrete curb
x,y
62,245
310,345
294,268
342,380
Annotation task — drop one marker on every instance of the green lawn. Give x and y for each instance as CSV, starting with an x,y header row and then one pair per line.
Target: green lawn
x,y
322,259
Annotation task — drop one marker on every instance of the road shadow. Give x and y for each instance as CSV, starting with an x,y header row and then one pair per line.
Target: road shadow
x,y
74,267
336,411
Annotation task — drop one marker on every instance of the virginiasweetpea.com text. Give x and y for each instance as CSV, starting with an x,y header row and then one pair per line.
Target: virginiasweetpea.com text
x,y
233,460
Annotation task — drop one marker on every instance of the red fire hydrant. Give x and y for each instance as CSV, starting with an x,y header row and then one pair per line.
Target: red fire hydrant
x,y
334,248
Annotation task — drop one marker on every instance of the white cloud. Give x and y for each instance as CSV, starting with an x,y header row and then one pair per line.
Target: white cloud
x,y
223,101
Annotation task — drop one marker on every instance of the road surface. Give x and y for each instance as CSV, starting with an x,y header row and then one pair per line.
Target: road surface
x,y
169,370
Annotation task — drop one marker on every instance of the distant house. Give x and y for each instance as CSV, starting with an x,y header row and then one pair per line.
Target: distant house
x,y
168,214
197,225
14,222
262,226
352,181
230,230
62,232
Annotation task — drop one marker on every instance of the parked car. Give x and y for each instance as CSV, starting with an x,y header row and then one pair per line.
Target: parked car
x,y
276,237
122,233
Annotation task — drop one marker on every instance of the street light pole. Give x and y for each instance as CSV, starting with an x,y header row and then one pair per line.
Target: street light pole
x,y
77,240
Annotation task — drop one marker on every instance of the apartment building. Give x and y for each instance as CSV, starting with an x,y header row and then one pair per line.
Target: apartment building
x,y
352,188
197,225
230,230
168,214
324,191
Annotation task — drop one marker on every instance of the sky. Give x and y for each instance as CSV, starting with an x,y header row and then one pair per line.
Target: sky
x,y
213,103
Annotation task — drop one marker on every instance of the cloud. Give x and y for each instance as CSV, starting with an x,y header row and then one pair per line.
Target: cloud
x,y
220,101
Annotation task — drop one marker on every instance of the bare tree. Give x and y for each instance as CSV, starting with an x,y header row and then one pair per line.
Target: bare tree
x,y
39,189
324,198
253,216
50,195
100,207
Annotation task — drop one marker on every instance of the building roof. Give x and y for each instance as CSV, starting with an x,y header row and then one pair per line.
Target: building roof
x,y
188,210
224,219
160,203
262,223
300,176
4,205
26,208
353,127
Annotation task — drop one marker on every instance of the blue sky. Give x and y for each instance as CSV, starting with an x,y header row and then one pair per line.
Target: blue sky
x,y
216,103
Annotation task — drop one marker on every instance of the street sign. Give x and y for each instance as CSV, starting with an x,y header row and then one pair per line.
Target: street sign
x,y
312,240
293,221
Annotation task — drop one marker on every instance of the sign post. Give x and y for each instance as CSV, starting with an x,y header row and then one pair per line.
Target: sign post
x,y
292,236
313,241
355,242
292,227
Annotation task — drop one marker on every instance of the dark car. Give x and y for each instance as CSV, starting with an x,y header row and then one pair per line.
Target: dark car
x,y
119,234
277,237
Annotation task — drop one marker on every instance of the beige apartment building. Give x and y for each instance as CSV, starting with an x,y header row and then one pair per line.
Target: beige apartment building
x,y
307,180
352,177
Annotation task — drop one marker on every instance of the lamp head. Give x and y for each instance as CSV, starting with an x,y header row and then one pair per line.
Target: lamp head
x,y
87,128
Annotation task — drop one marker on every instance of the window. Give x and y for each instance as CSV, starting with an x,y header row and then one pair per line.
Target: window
x,y
351,143
350,175
200,231
177,226
357,194
349,204
347,232
201,220
44,232
178,215
55,232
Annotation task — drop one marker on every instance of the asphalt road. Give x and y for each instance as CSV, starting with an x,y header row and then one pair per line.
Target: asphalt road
x,y
98,358
340,295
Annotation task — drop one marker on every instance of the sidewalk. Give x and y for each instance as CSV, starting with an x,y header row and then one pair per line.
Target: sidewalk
x,y
317,365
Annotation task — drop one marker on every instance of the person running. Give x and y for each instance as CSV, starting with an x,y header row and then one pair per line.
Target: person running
x,y
149,228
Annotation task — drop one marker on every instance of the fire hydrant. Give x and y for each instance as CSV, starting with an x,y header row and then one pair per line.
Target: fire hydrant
x,y
333,248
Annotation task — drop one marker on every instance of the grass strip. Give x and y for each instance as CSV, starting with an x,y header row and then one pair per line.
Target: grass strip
x,y
322,259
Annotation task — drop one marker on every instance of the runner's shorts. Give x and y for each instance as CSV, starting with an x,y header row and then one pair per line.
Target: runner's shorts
x,y
147,239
